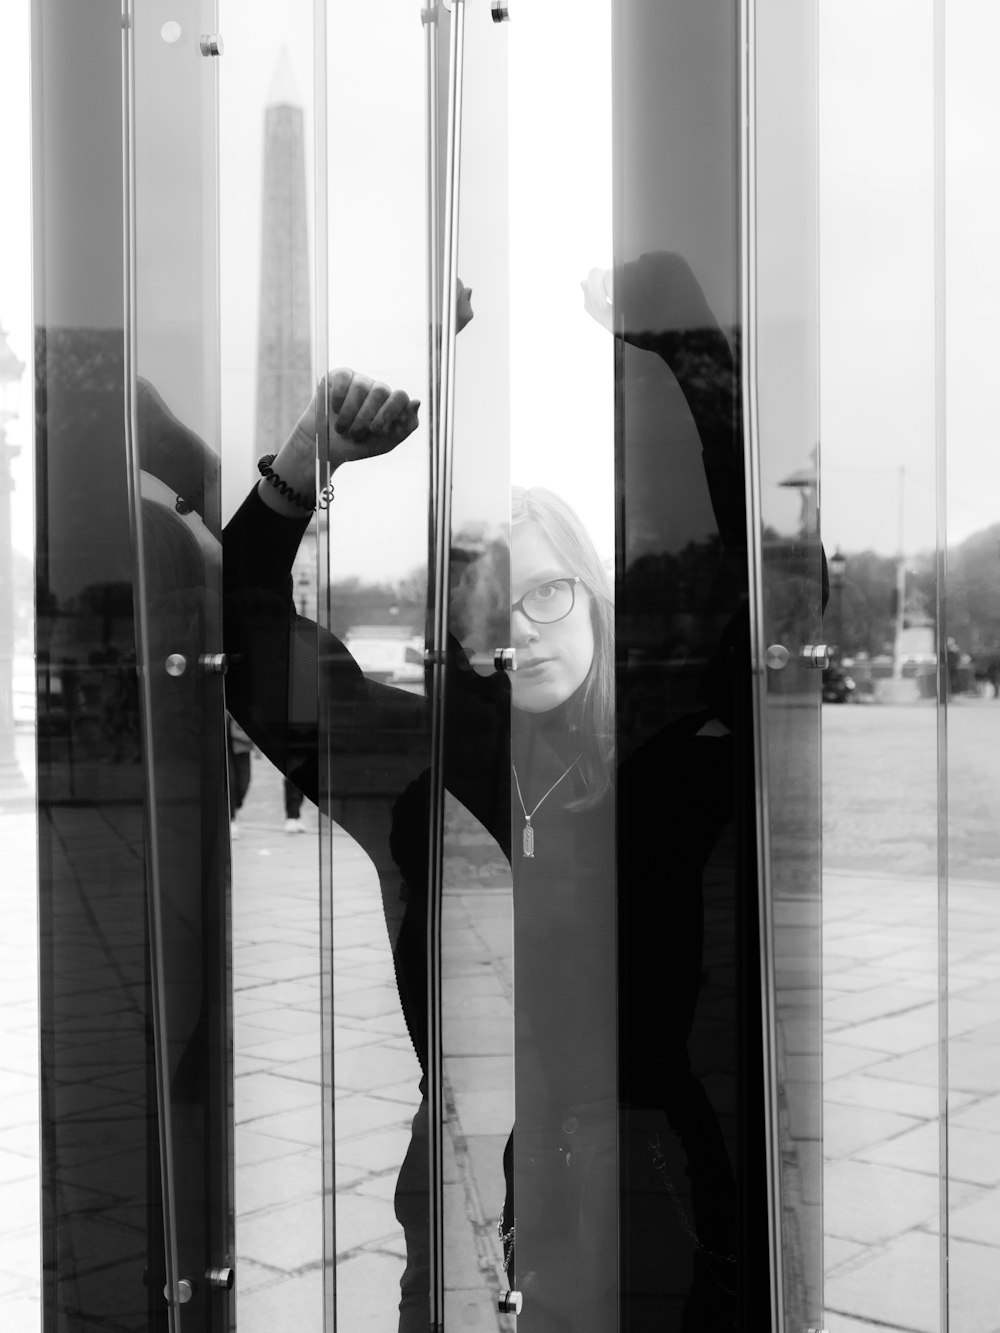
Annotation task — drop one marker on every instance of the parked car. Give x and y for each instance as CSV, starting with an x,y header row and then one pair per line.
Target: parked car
x,y
388,657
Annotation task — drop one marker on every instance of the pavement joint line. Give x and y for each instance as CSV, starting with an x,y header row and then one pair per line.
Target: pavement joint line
x,y
875,1323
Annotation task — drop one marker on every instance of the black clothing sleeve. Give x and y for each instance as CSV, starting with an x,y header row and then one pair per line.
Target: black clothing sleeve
x,y
357,748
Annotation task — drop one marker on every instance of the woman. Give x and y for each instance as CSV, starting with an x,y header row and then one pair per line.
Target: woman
x,y
619,1187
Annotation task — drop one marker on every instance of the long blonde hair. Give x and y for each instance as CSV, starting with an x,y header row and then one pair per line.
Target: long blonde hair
x,y
593,709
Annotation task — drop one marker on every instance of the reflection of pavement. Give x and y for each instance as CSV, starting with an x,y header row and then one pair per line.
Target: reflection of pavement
x,y
278,1105
881,1105
20,1246
881,1057
278,1045
279,1170
880,1060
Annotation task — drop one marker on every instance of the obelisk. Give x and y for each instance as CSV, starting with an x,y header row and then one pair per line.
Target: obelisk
x,y
284,341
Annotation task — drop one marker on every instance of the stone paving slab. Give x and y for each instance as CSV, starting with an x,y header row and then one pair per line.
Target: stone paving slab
x,y
262,1186
882,1188
978,1220
983,1114
973,1154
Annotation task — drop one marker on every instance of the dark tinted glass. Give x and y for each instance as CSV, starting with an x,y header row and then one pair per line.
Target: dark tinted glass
x,y
102,1251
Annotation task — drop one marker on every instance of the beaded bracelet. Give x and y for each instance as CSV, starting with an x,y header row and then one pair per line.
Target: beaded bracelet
x,y
287,493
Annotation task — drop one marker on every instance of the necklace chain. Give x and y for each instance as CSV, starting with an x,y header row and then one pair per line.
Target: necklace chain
x,y
528,833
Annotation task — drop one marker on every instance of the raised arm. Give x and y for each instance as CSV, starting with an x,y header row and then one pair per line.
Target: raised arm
x,y
365,419
278,660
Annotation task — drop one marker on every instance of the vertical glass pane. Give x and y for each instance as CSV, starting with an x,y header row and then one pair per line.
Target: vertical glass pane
x,y
173,428
783,404
374,749
562,1204
970,181
20,1233
881,777
329,684
337,706
268,277
694,1242
478,951
101,1208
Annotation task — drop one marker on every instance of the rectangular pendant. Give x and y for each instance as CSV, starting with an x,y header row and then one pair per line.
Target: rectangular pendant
x,y
528,840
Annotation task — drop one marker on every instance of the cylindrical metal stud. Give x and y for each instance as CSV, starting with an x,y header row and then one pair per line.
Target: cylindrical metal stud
x,y
509,1302
816,656
176,664
211,44
185,1290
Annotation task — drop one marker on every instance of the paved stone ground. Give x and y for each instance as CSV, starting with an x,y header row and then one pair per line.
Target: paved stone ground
x,y
881,1052
279,1039
278,1042
20,1245
882,1057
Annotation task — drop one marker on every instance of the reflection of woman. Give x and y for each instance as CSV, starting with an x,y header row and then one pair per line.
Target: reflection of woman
x,y
607,928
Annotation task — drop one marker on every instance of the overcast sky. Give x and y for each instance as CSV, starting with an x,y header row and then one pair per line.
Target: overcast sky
x,y
876,251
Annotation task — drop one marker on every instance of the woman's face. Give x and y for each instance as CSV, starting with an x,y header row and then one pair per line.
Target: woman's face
x,y
552,660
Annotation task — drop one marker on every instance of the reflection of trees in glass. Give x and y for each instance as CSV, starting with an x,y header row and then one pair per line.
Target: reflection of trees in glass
x,y
666,599
792,582
479,580
84,617
867,609
672,611
974,594
87,363
354,602
864,606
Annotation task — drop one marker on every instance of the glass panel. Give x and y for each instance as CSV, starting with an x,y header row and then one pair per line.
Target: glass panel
x,y
20,1234
694,1238
477,954
271,295
101,1208
967,186
562,1193
359,748
781,370
881,777
373,750
173,425
374,737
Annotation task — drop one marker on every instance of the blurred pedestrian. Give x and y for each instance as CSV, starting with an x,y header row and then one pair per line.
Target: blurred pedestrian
x,y
293,809
239,747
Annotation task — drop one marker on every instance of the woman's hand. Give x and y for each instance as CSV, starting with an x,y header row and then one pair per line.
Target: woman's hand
x,y
366,419
648,299
463,306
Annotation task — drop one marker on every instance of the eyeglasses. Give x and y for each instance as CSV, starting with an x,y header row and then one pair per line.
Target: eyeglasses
x,y
548,602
